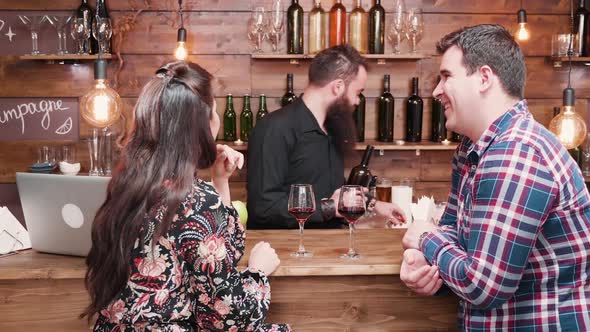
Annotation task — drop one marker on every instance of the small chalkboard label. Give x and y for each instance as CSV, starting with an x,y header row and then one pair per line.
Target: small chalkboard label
x,y
39,119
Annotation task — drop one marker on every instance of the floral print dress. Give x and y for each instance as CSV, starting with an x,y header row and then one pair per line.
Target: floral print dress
x,y
188,280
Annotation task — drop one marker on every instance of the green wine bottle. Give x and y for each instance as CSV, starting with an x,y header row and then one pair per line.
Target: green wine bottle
x,y
262,111
295,28
246,120
385,106
229,120
377,29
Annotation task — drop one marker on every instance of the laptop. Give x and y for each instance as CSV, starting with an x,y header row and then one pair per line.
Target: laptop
x,y
59,210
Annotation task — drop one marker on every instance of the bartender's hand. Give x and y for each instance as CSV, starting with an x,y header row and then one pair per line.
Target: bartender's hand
x,y
336,198
418,275
415,229
391,212
226,162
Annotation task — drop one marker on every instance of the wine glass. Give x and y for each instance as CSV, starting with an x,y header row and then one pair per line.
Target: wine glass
x,y
33,23
301,206
102,31
397,31
257,28
60,22
276,24
351,206
414,27
80,32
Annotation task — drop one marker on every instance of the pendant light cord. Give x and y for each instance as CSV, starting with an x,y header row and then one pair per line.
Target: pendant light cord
x,y
570,51
180,12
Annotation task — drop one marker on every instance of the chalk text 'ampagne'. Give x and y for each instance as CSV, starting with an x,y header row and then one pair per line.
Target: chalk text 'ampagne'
x,y
29,109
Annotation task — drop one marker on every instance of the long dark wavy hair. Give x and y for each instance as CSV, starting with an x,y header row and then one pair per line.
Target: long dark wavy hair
x,y
169,141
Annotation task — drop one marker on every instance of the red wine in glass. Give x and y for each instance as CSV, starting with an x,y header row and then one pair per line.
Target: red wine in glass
x,y
301,205
352,214
301,213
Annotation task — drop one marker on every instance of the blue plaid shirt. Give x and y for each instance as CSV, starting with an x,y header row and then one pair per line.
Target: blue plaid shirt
x,y
514,242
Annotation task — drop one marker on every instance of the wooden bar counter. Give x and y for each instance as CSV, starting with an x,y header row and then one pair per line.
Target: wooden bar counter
x,y
43,292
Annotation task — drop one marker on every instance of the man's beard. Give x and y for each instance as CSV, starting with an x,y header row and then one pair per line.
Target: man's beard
x,y
340,125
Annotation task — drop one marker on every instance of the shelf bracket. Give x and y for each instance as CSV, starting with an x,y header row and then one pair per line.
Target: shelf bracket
x,y
417,152
294,61
381,152
381,61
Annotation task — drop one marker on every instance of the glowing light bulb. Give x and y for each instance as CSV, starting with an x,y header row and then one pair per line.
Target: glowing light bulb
x,y
101,106
181,52
569,127
522,33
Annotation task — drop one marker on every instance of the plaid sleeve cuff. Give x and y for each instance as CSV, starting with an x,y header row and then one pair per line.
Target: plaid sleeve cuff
x,y
432,244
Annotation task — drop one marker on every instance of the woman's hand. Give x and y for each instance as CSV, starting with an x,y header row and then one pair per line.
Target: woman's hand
x,y
226,162
263,258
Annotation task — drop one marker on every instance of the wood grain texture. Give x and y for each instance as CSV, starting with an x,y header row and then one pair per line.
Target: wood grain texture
x,y
437,6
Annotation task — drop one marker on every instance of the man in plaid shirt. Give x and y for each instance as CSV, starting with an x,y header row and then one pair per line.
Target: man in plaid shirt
x,y
514,240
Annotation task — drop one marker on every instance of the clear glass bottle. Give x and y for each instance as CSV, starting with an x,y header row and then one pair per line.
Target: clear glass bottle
x,y
317,29
358,28
338,24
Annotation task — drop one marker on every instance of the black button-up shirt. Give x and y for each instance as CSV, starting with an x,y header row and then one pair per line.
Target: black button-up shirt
x,y
289,147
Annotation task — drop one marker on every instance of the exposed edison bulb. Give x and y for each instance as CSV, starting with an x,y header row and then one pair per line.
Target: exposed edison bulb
x,y
569,127
101,106
522,33
181,52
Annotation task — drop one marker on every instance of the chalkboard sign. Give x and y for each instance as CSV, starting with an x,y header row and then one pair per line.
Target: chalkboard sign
x,y
15,36
39,119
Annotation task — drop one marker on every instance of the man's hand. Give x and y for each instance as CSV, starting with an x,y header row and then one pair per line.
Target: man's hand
x,y
391,212
415,229
418,275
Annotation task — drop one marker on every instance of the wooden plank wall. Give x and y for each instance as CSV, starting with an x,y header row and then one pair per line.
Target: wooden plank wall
x,y
217,40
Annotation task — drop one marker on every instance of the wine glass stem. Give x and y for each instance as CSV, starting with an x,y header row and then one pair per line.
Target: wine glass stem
x,y
351,250
301,247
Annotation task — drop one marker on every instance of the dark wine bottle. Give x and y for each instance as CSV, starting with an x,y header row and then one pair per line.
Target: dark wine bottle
x,y
262,111
359,119
103,12
229,120
337,24
414,110
246,120
439,129
86,12
385,107
581,26
289,96
456,137
377,28
360,174
295,28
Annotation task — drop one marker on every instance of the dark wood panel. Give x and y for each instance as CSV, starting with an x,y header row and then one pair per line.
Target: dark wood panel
x,y
20,78
206,36
436,165
455,6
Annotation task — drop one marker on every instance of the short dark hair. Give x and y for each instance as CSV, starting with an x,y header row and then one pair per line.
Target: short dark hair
x,y
337,62
492,45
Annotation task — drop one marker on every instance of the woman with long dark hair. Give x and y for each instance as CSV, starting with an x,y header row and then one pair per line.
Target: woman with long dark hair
x,y
165,244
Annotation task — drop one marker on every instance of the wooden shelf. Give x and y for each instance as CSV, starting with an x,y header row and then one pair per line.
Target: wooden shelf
x,y
563,60
65,57
384,146
381,58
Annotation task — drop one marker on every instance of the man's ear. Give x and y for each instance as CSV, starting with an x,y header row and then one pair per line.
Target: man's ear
x,y
338,87
486,78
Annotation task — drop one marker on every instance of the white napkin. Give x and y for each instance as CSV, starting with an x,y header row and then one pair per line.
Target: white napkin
x,y
424,210
13,236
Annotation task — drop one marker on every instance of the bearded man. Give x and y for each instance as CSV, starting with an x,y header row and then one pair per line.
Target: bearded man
x,y
306,142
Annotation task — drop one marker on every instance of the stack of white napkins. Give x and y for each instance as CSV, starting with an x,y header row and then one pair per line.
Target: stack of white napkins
x,y
424,210
13,236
